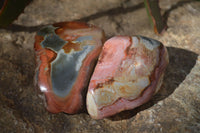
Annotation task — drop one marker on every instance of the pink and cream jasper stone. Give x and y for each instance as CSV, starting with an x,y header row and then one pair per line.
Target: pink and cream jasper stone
x,y
128,73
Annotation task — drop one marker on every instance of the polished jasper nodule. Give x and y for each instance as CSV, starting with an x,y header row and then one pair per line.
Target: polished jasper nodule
x,y
66,54
128,72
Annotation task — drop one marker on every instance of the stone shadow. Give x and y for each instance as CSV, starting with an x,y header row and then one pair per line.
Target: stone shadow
x,y
180,65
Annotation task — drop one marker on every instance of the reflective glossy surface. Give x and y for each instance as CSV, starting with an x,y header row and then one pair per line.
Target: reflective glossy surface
x,y
129,71
66,54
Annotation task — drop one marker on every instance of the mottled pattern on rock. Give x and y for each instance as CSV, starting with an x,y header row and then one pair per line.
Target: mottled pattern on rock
x,y
175,108
129,72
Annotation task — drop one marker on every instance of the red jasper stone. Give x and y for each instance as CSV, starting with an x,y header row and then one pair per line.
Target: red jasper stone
x,y
128,73
66,54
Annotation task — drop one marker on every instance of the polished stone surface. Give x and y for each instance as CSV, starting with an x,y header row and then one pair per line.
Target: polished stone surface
x,y
129,71
66,55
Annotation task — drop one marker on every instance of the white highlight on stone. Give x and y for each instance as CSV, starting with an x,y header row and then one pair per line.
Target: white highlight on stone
x,y
43,89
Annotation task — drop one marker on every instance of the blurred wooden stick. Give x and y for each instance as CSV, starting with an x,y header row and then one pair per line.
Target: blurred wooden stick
x,y
156,20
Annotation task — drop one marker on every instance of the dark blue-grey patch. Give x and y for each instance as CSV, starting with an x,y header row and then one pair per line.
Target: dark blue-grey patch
x,y
83,38
47,30
53,42
150,43
65,69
